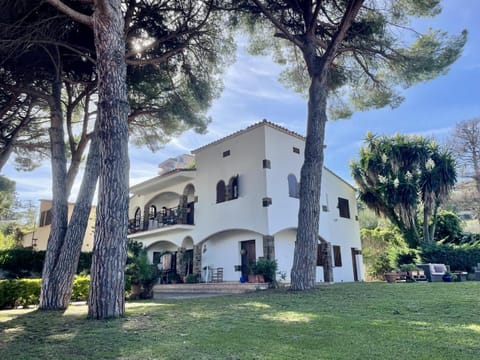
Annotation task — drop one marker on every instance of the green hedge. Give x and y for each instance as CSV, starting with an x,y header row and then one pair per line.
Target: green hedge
x,y
81,285
24,292
26,263
459,257
21,292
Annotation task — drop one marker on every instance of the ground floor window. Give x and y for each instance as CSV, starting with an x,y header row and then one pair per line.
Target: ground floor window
x,y
337,256
319,255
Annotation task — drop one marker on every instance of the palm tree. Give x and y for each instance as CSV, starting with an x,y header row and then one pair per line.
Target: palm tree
x,y
396,175
437,181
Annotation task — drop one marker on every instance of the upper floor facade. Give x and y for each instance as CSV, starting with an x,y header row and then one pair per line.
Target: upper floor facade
x,y
248,180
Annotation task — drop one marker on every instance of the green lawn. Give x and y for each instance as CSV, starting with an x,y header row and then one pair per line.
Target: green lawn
x,y
342,321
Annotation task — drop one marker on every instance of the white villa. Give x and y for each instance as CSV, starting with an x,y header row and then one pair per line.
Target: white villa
x,y
236,200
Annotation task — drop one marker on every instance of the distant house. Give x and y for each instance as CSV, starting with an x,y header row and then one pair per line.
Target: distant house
x,y
240,203
37,239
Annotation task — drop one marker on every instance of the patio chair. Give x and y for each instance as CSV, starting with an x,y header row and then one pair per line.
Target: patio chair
x,y
434,272
217,275
437,271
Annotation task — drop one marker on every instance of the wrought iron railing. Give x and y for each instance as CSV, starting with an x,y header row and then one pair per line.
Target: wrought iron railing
x,y
166,217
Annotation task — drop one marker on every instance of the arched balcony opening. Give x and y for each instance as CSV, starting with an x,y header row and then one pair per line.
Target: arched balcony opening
x,y
221,191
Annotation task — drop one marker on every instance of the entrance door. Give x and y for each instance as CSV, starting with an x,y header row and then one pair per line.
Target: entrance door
x,y
247,250
188,258
355,252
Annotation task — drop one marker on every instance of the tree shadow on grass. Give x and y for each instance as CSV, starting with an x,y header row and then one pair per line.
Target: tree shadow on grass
x,y
338,322
66,334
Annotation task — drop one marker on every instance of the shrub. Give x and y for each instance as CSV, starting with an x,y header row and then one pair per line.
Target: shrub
x,y
21,263
383,249
408,267
139,271
459,257
21,292
26,263
267,268
191,279
407,256
24,292
470,238
380,266
81,286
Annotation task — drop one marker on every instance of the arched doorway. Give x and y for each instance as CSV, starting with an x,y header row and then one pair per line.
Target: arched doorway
x,y
189,204
185,257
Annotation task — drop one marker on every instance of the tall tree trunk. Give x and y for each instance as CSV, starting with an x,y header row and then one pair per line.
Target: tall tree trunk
x,y
426,232
303,274
48,294
107,289
304,259
434,224
66,266
77,150
326,252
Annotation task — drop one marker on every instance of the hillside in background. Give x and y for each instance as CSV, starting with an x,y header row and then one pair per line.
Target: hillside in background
x,y
465,201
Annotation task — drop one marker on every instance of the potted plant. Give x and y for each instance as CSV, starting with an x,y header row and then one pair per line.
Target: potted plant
x,y
448,277
413,273
411,269
191,279
173,278
391,277
264,270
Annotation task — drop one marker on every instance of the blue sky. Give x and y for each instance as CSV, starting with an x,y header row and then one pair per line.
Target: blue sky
x,y
252,92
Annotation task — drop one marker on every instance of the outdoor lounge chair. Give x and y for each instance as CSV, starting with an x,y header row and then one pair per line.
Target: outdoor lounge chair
x,y
434,272
437,271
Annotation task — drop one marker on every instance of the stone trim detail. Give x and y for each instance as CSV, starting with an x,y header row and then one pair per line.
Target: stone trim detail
x,y
269,247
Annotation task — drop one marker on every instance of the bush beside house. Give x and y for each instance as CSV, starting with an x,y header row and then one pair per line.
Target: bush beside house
x,y
25,292
458,257
26,263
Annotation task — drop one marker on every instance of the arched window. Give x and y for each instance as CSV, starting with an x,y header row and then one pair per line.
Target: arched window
x,y
292,186
152,212
138,218
221,191
233,187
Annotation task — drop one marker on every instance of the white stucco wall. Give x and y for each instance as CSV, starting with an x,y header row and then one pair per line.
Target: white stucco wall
x,y
283,213
343,232
245,159
221,227
223,250
161,192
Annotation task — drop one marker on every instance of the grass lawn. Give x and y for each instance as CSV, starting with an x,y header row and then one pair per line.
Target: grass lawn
x,y
342,321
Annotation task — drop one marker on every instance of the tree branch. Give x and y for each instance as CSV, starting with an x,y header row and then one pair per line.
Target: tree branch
x,y
347,19
278,24
75,15
156,60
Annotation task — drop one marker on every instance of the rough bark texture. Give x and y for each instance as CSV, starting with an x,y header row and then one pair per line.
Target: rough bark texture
x,y
66,266
326,249
49,290
426,218
107,290
303,273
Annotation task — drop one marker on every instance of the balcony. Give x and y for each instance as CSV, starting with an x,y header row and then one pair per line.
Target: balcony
x,y
164,219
